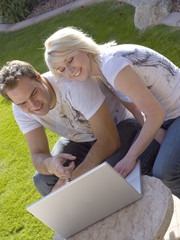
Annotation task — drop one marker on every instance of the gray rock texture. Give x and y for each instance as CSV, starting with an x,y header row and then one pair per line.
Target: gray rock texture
x,y
152,12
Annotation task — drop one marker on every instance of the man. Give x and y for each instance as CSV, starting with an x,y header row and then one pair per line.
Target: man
x,y
94,125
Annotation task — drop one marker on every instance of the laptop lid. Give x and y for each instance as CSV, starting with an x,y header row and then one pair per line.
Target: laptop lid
x,y
87,199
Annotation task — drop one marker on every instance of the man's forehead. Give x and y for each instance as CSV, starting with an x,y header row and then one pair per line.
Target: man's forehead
x,y
23,90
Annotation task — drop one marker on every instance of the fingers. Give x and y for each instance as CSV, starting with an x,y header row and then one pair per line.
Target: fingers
x,y
123,168
71,166
61,171
69,169
122,172
67,156
60,168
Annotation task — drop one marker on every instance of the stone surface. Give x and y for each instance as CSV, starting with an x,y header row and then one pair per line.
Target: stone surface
x,y
146,219
134,3
150,13
173,232
172,20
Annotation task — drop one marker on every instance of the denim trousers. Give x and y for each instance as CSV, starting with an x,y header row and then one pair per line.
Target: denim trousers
x,y
167,163
128,131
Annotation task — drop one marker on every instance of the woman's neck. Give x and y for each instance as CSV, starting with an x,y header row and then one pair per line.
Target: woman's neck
x,y
95,69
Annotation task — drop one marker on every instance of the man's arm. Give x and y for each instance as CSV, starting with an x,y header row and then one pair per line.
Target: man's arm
x,y
107,142
42,159
134,110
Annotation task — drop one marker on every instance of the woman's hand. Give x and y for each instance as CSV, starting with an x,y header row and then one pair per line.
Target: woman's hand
x,y
125,166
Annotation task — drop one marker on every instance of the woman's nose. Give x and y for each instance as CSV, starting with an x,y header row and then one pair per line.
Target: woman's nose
x,y
71,70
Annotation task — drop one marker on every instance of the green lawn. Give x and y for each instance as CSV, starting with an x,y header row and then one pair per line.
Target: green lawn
x,y
105,22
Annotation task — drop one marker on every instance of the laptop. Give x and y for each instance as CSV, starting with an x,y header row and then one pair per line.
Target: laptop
x,y
87,199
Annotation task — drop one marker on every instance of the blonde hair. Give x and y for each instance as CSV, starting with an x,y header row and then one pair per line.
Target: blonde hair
x,y
65,42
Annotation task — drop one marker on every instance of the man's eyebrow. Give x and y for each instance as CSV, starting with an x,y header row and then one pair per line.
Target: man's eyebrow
x,y
32,93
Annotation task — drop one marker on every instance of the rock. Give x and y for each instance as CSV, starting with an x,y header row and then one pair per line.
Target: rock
x,y
131,2
152,12
146,219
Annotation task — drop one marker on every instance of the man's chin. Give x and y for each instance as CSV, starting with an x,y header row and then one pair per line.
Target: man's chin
x,y
39,113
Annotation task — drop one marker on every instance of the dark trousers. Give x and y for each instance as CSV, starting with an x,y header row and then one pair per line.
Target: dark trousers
x,y
128,131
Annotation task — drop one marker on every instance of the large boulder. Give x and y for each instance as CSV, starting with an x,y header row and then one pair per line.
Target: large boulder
x,y
151,12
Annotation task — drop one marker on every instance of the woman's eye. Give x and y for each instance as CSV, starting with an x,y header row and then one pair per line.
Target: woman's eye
x,y
70,60
60,69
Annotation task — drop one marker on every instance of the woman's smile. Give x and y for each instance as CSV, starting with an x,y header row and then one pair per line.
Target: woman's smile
x,y
76,67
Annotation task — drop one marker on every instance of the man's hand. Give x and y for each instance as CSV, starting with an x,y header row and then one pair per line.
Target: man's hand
x,y
56,165
124,167
42,159
59,183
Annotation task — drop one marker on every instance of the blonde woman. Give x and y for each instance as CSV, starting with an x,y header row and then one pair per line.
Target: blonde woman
x,y
144,80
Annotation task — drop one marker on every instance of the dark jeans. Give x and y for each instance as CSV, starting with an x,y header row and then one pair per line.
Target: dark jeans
x,y
127,130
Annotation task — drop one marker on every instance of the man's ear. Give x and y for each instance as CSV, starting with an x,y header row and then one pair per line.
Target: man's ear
x,y
39,77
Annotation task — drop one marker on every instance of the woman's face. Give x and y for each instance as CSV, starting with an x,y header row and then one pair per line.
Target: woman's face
x,y
77,67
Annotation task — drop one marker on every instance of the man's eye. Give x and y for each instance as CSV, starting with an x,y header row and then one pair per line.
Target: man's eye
x,y
34,93
22,104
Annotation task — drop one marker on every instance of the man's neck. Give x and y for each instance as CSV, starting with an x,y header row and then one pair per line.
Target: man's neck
x,y
51,92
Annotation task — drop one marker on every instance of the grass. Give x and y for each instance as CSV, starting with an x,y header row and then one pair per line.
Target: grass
x,y
106,21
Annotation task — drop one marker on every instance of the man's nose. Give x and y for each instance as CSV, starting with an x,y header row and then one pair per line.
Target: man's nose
x,y
33,103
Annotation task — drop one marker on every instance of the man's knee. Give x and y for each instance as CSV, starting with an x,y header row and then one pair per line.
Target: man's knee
x,y
128,129
44,183
78,149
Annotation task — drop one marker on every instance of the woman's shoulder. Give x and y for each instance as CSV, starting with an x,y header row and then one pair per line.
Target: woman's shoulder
x,y
126,48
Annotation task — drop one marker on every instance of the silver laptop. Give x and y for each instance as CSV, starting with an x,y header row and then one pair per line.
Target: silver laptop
x,y
87,199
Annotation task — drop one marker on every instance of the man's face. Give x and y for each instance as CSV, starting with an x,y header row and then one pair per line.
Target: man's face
x,y
31,96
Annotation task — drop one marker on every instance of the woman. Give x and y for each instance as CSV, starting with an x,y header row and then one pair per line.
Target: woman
x,y
143,79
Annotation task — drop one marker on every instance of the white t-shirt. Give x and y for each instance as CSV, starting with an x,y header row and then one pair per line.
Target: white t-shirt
x,y
76,103
158,74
